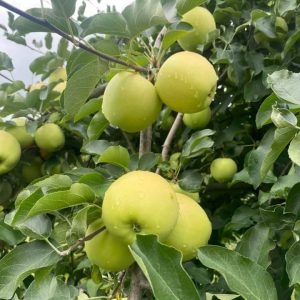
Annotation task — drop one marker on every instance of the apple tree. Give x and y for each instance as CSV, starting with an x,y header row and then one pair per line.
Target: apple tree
x,y
156,154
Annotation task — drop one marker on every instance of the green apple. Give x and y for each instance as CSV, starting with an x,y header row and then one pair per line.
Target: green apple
x,y
130,102
178,189
186,82
192,230
197,120
223,169
203,22
106,250
10,152
20,133
58,74
50,137
31,170
140,202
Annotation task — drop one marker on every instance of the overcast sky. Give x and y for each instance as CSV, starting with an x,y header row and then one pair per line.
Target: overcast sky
x,y
23,56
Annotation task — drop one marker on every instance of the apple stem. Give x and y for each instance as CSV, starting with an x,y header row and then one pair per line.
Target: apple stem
x,y
75,42
167,144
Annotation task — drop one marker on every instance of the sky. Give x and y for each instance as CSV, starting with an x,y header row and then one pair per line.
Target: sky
x,y
23,56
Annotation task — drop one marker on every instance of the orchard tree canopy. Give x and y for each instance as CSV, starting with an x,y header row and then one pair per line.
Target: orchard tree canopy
x,y
156,155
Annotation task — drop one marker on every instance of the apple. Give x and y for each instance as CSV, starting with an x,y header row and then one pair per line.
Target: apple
x,y
197,120
130,102
106,250
10,152
186,82
223,169
58,74
20,133
203,23
32,170
140,202
178,189
37,86
192,230
50,137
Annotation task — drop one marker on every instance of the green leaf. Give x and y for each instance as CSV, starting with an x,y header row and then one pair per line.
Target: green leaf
x,y
293,150
106,23
282,137
81,84
64,8
266,25
283,6
292,258
162,267
116,155
242,275
293,200
184,6
143,14
56,181
9,235
47,287
148,161
25,26
256,244
191,180
88,108
21,262
282,117
285,84
210,296
5,62
97,126
95,147
290,43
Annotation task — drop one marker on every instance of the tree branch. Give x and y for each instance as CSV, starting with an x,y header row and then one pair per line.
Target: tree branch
x,y
138,284
5,77
145,140
81,241
71,39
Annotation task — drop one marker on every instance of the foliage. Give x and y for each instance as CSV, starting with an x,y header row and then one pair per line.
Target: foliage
x,y
254,248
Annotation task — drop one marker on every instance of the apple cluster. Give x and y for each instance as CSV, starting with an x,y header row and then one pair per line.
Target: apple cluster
x,y
142,202
49,137
186,83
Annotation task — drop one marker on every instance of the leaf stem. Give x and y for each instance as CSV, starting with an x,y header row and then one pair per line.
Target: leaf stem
x,y
76,42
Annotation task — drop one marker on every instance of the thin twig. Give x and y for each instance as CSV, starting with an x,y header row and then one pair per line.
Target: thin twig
x,y
7,78
121,279
130,145
167,144
145,140
76,42
81,242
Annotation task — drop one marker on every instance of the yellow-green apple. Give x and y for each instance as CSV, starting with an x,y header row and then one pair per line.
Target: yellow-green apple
x,y
192,230
223,169
20,133
197,120
58,74
203,22
130,102
50,137
106,250
10,152
186,82
140,202
32,169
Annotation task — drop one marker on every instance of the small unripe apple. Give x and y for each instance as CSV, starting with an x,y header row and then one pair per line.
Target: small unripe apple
x,y
106,250
20,133
140,202
50,137
223,169
10,152
203,22
192,230
186,82
130,102
197,120
31,170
